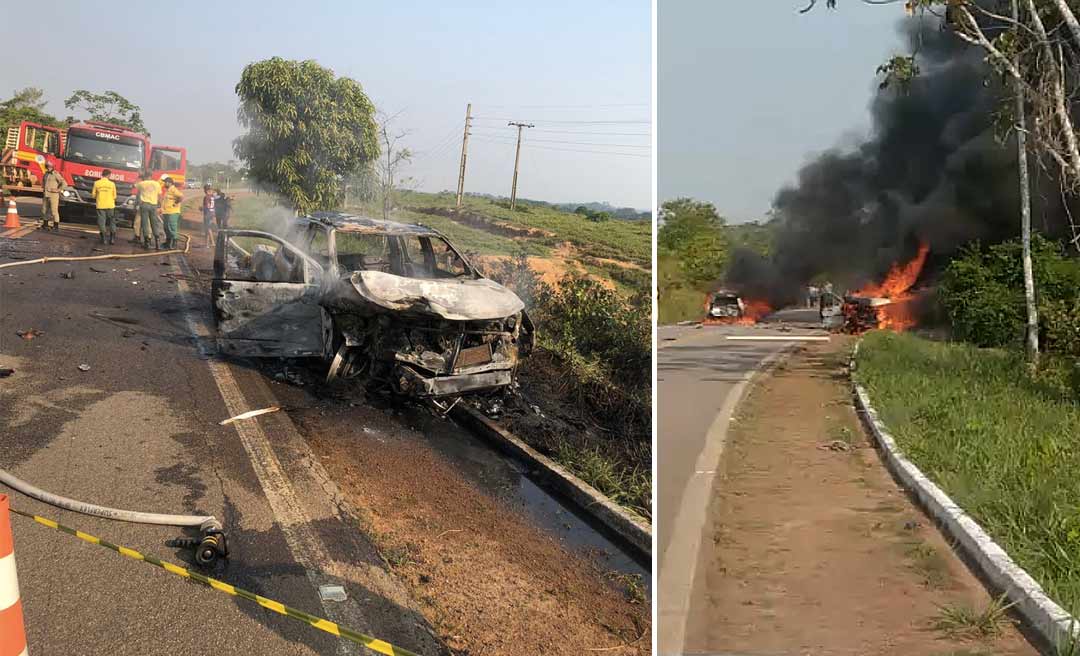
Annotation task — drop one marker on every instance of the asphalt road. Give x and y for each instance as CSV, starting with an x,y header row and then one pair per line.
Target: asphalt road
x,y
701,375
140,430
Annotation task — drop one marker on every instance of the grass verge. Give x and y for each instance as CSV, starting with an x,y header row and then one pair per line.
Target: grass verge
x,y
1002,445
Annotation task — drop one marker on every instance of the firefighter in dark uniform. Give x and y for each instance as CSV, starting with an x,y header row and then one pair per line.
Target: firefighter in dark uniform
x,y
53,185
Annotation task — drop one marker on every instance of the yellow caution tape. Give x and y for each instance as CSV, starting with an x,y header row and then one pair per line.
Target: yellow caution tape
x,y
370,642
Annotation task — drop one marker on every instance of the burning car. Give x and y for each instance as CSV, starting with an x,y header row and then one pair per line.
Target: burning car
x,y
725,304
386,301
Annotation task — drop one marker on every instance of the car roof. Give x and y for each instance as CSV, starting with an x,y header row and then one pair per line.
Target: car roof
x,y
344,222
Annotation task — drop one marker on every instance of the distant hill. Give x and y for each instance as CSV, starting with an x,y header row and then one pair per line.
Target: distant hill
x,y
593,207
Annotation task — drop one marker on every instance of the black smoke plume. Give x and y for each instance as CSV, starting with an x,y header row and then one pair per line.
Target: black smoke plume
x,y
932,169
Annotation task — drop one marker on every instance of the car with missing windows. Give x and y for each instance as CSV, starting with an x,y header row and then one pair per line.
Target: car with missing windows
x,y
388,302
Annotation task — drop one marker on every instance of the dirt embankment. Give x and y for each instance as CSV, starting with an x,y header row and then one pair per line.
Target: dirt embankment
x,y
814,548
488,580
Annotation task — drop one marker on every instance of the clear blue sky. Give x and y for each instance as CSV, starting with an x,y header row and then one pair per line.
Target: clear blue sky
x,y
748,92
545,62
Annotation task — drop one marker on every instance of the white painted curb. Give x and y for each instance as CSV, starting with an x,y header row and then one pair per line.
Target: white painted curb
x,y
1050,622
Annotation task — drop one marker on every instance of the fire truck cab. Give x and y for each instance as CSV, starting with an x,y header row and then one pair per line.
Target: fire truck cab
x,y
80,153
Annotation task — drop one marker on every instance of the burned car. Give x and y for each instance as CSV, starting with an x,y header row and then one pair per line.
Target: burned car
x,y
725,304
390,302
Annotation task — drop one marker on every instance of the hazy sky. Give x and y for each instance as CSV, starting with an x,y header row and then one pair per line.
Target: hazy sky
x,y
578,70
748,92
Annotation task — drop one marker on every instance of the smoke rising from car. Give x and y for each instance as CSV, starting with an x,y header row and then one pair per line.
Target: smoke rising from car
x,y
931,170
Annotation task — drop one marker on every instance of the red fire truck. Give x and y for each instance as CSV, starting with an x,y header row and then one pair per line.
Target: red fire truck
x,y
80,153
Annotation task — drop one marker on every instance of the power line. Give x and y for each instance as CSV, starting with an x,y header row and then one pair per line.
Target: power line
x,y
528,144
634,122
601,134
576,143
570,106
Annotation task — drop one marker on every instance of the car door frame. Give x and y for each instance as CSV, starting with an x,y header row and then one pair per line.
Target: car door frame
x,y
275,311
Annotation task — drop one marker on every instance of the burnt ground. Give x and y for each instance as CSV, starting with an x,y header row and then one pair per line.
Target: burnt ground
x,y
813,547
496,564
459,527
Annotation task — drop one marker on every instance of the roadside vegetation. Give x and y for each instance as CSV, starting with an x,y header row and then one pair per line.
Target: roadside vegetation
x,y
695,246
1002,445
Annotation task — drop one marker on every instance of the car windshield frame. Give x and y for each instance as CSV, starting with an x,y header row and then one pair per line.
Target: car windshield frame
x,y
396,253
102,146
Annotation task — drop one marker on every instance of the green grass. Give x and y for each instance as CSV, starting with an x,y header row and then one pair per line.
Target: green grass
x,y
1005,447
631,488
629,241
961,621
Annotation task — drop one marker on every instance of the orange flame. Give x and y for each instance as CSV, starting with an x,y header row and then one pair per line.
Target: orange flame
x,y
898,314
753,311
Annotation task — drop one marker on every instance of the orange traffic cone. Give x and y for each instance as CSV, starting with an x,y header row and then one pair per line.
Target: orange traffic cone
x,y
12,216
12,629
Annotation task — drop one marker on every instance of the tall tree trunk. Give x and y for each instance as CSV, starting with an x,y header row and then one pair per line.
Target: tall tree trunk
x,y
1032,338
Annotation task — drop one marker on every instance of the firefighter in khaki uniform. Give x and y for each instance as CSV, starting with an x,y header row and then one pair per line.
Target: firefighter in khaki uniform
x,y
170,211
104,195
50,213
148,196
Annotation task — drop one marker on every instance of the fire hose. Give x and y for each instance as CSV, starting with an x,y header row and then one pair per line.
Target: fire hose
x,y
210,545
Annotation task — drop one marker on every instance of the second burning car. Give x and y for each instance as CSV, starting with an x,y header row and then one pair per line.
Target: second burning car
x,y
386,301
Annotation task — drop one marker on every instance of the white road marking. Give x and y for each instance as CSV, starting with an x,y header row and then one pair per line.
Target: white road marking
x,y
777,338
305,547
678,564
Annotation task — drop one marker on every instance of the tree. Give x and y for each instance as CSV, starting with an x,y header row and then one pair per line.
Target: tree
x,y
108,107
692,232
1041,64
26,105
306,130
388,164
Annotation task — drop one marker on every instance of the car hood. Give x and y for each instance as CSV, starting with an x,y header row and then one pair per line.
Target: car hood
x,y
454,300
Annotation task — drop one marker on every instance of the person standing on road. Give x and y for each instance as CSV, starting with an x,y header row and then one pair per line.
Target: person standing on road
x,y
171,201
52,185
223,208
208,213
148,197
104,195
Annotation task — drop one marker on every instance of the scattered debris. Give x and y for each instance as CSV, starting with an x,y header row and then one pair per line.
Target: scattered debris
x,y
68,275
332,593
84,367
97,270
6,371
835,445
249,414
29,334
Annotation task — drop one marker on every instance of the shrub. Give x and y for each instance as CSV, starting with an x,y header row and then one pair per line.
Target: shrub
x,y
982,293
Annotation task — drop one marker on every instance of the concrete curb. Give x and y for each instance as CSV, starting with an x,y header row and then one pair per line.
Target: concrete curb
x,y
1050,622
629,526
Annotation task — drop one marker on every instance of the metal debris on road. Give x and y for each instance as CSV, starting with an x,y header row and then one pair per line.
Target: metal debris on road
x,y
835,445
332,593
97,270
68,275
6,371
84,367
29,334
249,414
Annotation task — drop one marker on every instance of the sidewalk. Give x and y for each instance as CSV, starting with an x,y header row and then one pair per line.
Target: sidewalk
x,y
815,549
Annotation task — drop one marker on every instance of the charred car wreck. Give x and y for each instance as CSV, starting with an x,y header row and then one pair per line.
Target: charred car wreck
x,y
385,301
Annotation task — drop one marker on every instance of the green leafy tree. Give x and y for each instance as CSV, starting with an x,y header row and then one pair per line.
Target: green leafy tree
x,y
108,107
26,105
693,232
307,130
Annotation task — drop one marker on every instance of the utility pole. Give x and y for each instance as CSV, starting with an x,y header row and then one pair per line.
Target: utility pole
x,y
464,154
517,159
1031,338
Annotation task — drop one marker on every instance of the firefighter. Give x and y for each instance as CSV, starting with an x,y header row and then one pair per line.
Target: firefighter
x,y
104,195
148,198
53,184
171,200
